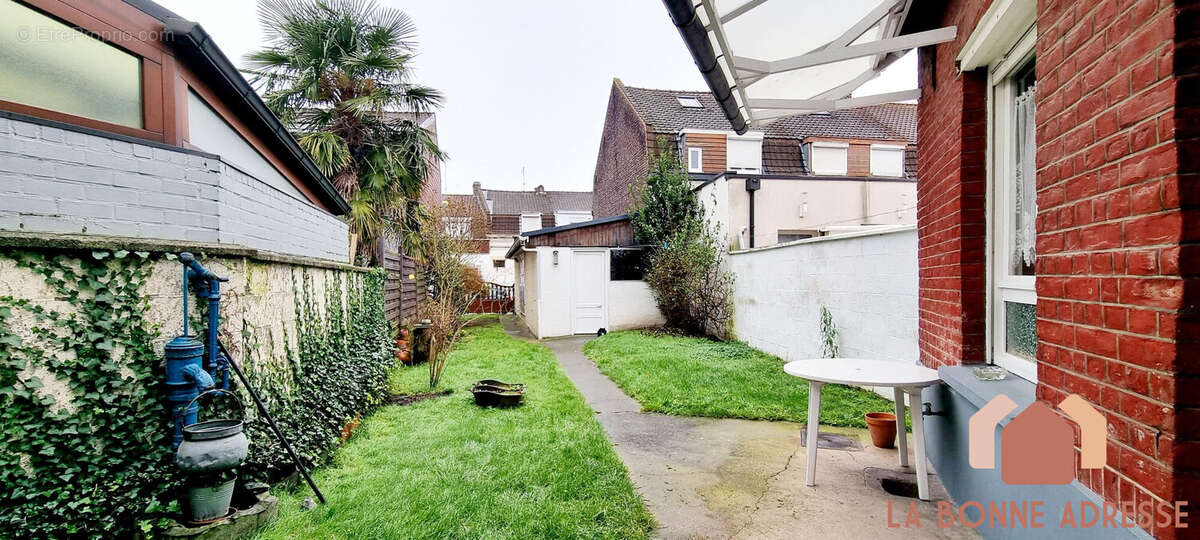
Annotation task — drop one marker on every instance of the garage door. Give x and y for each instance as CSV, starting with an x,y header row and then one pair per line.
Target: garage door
x,y
589,279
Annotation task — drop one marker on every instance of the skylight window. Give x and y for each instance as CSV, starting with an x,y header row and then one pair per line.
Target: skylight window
x,y
689,102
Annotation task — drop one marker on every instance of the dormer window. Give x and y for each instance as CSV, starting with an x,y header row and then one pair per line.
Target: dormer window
x,y
887,160
689,102
829,158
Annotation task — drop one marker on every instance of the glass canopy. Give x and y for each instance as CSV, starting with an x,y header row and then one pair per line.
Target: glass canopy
x,y
764,59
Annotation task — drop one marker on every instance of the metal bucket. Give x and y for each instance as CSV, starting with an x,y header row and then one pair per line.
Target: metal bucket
x,y
213,445
205,504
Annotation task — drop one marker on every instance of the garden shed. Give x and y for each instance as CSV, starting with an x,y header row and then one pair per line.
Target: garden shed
x,y
582,278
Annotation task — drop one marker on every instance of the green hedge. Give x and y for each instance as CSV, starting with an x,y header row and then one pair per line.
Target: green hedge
x,y
99,464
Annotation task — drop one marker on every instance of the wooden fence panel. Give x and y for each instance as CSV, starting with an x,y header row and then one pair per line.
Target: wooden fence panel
x,y
399,292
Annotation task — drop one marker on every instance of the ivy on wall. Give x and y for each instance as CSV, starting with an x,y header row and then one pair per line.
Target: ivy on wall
x,y
84,436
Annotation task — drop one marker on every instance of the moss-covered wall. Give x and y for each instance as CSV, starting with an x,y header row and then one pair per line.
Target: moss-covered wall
x,y
85,436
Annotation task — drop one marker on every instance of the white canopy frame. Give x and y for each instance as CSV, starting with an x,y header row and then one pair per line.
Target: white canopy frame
x,y
788,69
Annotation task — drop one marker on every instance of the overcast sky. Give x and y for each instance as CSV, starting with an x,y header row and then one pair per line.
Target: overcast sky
x,y
526,83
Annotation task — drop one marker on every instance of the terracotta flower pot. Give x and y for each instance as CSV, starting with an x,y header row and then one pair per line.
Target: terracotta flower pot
x,y
403,333
883,429
402,344
404,357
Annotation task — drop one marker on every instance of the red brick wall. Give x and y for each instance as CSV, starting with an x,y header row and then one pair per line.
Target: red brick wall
x,y
1110,285
951,139
622,159
1118,227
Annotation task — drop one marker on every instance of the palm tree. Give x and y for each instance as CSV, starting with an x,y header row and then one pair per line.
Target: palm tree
x,y
337,72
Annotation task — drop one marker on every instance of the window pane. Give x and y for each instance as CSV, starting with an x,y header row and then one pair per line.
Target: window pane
x,y
45,63
1020,329
887,161
626,264
1024,180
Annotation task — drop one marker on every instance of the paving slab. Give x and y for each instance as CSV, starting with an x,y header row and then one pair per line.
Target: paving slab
x,y
729,478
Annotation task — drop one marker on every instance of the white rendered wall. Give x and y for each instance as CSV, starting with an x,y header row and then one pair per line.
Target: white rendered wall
x,y
554,292
867,280
211,133
631,305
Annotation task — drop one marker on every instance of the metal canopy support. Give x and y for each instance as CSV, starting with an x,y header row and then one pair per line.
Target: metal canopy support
x,y
731,77
831,55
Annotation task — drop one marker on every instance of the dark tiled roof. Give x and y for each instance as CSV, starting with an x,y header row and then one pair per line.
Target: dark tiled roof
x,y
889,122
661,111
543,202
782,156
459,199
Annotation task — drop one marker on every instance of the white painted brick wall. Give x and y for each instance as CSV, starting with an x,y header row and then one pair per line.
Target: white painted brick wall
x,y
60,181
868,282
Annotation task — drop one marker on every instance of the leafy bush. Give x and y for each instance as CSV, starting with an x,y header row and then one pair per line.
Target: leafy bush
x,y
687,275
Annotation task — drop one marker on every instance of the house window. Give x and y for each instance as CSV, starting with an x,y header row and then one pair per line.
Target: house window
x,y
887,160
829,158
568,217
743,154
50,65
530,222
497,263
458,226
626,264
792,236
1013,211
695,159
689,102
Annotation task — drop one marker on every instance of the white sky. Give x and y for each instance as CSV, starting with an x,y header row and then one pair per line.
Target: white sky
x,y
526,83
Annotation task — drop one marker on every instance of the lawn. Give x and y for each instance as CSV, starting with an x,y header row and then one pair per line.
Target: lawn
x,y
697,377
444,468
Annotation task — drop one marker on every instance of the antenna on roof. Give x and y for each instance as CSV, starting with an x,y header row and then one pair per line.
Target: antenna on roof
x,y
522,178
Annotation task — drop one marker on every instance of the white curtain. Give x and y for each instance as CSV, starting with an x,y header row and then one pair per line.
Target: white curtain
x,y
1026,177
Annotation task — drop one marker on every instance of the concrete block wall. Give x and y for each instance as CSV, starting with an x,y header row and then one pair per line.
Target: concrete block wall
x,y
55,180
867,280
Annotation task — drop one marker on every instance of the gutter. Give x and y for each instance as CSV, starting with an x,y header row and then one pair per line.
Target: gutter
x,y
198,46
695,37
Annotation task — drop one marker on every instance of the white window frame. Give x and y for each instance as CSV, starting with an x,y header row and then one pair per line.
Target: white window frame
x,y
844,147
876,165
1002,285
525,216
699,159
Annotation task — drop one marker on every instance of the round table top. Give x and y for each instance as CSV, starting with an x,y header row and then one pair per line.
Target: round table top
x,y
859,371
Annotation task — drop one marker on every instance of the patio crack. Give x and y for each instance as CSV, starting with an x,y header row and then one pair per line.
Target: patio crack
x,y
766,489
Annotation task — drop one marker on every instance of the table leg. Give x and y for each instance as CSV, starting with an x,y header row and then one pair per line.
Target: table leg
x,y
901,435
814,417
918,423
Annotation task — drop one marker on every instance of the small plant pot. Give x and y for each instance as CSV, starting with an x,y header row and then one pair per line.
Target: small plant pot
x,y
883,429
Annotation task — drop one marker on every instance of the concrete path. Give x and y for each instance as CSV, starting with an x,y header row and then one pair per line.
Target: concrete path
x,y
726,478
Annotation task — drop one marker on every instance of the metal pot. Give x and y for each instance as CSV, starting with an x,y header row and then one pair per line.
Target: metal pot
x,y
213,445
205,504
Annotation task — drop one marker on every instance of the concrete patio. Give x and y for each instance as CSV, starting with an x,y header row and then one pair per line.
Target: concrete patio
x,y
727,478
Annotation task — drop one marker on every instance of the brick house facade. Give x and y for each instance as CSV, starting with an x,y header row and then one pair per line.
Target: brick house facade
x,y
1116,227
623,157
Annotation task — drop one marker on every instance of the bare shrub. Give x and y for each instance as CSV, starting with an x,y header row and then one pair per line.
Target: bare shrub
x,y
448,233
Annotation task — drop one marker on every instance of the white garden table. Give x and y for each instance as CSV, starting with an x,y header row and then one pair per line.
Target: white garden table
x,y
902,378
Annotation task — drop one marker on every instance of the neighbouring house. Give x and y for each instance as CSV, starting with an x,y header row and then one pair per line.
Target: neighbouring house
x,y
154,135
800,176
1056,219
513,213
581,278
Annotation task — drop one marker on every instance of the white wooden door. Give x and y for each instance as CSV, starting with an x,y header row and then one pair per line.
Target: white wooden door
x,y
589,280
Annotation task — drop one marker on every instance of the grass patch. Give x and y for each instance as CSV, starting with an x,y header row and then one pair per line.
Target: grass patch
x,y
697,377
444,468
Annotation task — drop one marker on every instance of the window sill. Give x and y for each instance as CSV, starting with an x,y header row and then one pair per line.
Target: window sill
x,y
961,379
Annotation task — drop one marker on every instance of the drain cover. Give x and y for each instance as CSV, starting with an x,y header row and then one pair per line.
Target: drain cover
x,y
902,483
833,441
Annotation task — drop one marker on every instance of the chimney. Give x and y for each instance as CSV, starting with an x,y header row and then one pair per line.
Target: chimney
x,y
540,190
475,186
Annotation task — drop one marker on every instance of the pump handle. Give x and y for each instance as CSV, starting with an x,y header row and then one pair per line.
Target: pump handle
x,y
190,261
